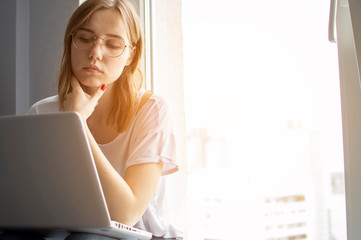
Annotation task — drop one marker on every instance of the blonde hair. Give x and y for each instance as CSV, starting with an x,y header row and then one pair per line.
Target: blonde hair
x,y
126,88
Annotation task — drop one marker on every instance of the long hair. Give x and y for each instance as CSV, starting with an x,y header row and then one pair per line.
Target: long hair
x,y
126,88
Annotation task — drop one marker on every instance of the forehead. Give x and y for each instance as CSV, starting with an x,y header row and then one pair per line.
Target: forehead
x,y
106,22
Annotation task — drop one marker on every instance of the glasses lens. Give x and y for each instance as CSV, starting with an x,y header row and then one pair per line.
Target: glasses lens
x,y
113,47
83,40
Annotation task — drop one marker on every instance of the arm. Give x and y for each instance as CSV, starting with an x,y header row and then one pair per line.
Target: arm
x,y
127,198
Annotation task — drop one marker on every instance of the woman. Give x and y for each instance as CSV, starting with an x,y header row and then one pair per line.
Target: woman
x,y
130,133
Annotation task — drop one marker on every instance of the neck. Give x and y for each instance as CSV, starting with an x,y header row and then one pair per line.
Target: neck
x,y
103,108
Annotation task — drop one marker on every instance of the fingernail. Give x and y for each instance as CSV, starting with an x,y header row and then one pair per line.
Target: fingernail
x,y
103,87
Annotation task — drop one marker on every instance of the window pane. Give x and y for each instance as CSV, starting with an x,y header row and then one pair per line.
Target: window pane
x,y
265,157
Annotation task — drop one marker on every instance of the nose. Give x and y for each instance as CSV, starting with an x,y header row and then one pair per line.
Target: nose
x,y
96,51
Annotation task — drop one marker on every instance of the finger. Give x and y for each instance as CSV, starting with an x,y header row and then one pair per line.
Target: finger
x,y
98,93
74,82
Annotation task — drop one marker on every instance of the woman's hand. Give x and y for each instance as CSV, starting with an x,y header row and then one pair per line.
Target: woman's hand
x,y
79,101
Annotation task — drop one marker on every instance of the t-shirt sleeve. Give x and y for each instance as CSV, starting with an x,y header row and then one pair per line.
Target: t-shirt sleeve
x,y
46,105
153,138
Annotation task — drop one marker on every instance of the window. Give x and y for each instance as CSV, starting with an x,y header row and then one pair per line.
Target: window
x,y
143,7
263,117
144,10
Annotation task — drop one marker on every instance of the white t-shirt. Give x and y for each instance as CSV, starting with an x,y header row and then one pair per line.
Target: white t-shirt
x,y
149,138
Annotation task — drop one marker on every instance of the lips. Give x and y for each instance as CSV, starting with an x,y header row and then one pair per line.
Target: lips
x,y
92,69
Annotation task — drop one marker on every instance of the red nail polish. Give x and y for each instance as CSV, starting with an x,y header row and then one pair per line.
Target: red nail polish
x,y
102,87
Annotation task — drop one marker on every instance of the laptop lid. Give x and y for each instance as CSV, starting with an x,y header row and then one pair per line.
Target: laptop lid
x,y
47,174
48,178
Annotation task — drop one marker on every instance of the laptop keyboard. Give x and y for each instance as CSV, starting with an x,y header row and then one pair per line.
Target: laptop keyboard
x,y
126,227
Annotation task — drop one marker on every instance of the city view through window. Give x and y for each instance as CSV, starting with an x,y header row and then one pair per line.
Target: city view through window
x,y
263,116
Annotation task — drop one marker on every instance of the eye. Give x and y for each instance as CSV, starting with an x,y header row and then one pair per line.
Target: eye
x,y
114,43
84,37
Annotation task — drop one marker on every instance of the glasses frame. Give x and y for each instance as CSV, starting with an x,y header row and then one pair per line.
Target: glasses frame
x,y
94,41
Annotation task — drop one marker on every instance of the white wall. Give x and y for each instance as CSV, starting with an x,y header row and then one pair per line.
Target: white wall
x,y
7,56
31,49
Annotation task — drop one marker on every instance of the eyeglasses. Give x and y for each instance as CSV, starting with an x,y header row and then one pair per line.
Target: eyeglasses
x,y
112,46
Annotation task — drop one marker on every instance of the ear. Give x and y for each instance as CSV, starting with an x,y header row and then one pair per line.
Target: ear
x,y
132,53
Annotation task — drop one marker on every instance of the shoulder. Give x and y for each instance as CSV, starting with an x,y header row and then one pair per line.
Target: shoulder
x,y
157,104
161,102
46,105
156,113
159,98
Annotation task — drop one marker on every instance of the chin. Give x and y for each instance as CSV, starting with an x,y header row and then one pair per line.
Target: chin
x,y
90,83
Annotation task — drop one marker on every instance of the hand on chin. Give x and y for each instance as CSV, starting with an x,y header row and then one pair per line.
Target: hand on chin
x,y
80,101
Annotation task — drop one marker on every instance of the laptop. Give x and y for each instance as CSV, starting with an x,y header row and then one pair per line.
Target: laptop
x,y
48,179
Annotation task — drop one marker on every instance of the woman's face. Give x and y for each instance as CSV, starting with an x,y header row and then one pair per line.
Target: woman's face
x,y
93,67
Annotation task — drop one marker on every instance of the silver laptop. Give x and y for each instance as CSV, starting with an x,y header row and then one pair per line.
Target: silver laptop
x,y
48,179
